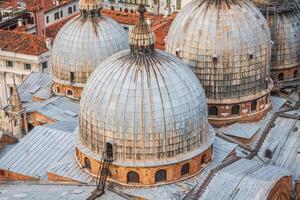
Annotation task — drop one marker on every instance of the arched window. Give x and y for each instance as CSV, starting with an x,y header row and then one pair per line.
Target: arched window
x,y
109,150
213,110
295,73
70,92
253,105
160,175
132,177
57,89
185,169
280,77
235,110
87,163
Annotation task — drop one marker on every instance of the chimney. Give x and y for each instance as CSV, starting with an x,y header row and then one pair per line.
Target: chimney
x,y
42,4
57,2
172,9
148,20
20,22
49,43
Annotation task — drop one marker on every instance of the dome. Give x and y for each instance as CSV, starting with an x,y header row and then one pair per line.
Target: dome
x,y
84,42
147,102
227,44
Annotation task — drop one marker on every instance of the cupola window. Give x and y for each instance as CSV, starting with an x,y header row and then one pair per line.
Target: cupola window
x,y
295,73
235,110
213,111
253,105
70,92
160,175
132,177
87,164
280,76
72,77
185,169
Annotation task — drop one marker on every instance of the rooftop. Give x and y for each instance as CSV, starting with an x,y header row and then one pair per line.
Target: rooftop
x,y
23,43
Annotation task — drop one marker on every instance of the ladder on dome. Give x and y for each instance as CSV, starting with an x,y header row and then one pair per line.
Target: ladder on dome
x,y
106,160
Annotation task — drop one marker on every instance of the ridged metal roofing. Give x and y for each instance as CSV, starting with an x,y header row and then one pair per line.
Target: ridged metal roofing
x,y
227,44
82,44
37,151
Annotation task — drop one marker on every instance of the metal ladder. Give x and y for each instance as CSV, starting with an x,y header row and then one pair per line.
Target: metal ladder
x,y
102,176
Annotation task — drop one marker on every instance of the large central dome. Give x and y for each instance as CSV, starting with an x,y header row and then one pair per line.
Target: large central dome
x,y
149,105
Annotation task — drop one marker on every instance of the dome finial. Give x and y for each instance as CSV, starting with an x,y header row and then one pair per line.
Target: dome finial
x,y
141,10
141,36
90,7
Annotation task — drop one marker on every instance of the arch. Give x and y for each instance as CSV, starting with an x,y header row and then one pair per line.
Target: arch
x,y
213,110
185,169
253,105
295,73
160,175
235,110
280,77
70,92
87,163
133,177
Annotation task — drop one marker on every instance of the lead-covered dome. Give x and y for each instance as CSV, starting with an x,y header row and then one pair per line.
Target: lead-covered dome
x,y
227,43
84,42
147,102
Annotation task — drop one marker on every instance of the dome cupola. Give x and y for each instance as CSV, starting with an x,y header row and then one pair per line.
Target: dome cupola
x,y
150,108
227,43
82,44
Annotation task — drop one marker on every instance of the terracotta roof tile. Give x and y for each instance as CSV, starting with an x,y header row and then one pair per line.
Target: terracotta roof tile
x,y
160,24
24,43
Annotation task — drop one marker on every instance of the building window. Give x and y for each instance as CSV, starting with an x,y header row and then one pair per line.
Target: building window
x,y
69,92
235,110
178,4
9,63
295,73
213,110
280,76
72,77
61,13
160,175
70,10
185,169
56,16
126,28
168,3
47,19
1,173
27,66
74,8
87,163
253,105
132,177
44,66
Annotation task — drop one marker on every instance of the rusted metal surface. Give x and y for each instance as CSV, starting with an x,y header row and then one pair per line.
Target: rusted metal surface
x,y
227,44
83,43
151,105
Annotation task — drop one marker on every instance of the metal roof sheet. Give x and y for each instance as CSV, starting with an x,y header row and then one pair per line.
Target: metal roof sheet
x,y
37,151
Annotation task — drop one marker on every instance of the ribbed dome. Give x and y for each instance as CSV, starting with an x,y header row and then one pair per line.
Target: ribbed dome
x,y
227,43
150,105
83,43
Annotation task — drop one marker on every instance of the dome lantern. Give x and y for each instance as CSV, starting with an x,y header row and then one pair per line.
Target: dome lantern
x,y
141,36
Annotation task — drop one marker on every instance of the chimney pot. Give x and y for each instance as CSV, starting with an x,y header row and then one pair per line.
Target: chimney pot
x,y
49,43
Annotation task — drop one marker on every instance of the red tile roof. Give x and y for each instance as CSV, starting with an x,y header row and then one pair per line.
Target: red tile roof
x,y
160,24
24,43
36,4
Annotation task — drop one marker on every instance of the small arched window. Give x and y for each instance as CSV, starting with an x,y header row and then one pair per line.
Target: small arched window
x,y
70,92
235,110
160,175
57,89
185,169
87,164
132,177
253,105
213,110
295,73
280,77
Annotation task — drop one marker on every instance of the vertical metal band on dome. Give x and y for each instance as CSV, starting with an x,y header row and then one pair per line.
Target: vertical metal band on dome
x,y
90,8
141,36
